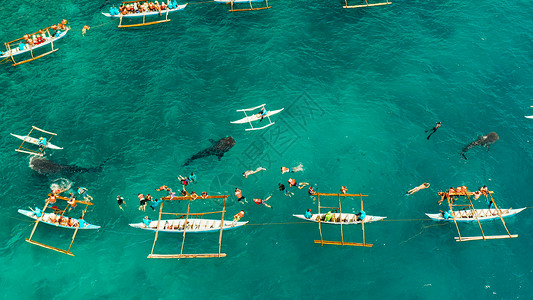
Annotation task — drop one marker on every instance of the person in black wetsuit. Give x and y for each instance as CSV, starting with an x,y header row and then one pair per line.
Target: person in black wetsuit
x,y
437,126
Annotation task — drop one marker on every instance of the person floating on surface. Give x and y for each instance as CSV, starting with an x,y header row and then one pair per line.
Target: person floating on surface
x,y
192,178
261,201
286,191
344,189
238,194
250,172
434,129
298,168
142,202
424,185
238,216
83,192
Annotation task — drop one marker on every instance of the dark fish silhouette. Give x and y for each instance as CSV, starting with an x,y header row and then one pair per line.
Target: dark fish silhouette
x,y
485,140
218,148
45,166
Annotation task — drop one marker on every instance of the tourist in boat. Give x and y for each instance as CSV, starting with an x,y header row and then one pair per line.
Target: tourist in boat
x,y
328,216
184,192
238,216
447,214
424,185
156,203
308,214
484,190
146,221
477,194
42,143
194,195
82,223
52,198
192,178
62,25
142,202
163,5
53,218
203,195
120,201
434,129
344,189
261,201
83,192
62,221
286,191
298,168
37,212
443,196
238,194
262,113
70,222
361,215
250,172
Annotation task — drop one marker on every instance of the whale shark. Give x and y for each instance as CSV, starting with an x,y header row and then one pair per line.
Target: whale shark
x,y
45,166
485,140
218,149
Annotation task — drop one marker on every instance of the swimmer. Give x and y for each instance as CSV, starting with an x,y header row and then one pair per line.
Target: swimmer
x,y
434,129
84,29
83,192
142,202
282,188
238,216
52,198
344,189
162,188
120,201
261,201
184,181
72,201
424,185
184,193
443,196
192,178
156,203
477,194
238,194
203,195
298,168
484,190
194,195
250,172
310,191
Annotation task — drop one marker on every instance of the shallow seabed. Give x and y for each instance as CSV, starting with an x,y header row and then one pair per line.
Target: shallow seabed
x,y
359,88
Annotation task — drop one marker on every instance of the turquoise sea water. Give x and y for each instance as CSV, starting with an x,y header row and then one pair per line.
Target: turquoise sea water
x,y
359,88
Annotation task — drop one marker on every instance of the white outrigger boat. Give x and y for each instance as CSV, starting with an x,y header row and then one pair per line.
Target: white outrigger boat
x,y
35,141
27,48
338,218
47,219
117,14
257,117
193,225
470,215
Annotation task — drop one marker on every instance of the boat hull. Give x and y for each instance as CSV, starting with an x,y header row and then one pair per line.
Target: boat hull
x,y
147,14
338,219
193,225
17,51
482,215
254,117
46,220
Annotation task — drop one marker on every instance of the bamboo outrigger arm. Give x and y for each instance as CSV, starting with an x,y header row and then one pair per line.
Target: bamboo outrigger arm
x,y
366,4
233,9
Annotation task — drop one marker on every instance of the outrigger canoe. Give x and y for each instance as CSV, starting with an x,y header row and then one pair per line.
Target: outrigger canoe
x,y
255,117
344,219
193,225
27,48
482,214
32,140
46,219
145,14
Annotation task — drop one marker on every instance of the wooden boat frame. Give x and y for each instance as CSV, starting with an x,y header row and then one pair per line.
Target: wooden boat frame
x,y
366,5
67,251
341,242
33,152
9,49
270,123
187,215
470,206
233,3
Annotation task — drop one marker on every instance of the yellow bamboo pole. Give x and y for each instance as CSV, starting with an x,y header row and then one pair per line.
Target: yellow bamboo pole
x,y
363,221
320,221
340,214
450,205
38,219
500,214
221,228
157,229
474,212
185,229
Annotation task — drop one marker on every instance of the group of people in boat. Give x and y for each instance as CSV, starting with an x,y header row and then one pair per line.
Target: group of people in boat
x,y
28,41
147,6
59,219
453,194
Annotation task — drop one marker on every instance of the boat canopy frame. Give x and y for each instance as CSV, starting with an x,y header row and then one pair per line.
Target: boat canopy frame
x,y
9,49
270,123
341,242
189,199
366,4
470,205
64,251
22,149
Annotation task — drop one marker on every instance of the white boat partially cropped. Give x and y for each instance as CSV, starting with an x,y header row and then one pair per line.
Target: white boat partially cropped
x,y
344,218
145,14
192,225
46,218
35,141
28,48
477,214
257,117
238,1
